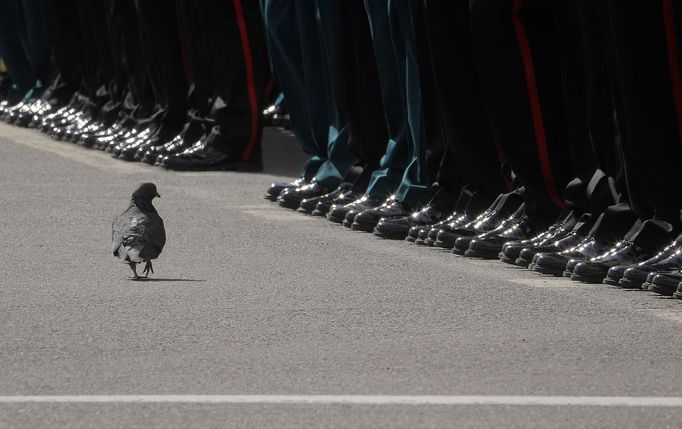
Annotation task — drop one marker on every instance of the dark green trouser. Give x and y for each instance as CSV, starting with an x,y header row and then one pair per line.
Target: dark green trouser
x,y
396,55
307,55
25,42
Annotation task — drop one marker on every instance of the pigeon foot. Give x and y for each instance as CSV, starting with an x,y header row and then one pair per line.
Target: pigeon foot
x,y
148,268
133,267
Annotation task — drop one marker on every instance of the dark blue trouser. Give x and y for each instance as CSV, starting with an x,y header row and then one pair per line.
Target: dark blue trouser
x,y
307,55
25,42
396,56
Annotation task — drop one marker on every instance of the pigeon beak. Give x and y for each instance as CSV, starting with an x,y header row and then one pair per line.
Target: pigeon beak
x,y
157,194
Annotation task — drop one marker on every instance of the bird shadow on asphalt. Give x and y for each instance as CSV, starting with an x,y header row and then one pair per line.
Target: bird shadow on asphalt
x,y
166,280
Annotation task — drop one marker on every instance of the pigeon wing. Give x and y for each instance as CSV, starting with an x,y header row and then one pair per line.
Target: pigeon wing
x,y
155,237
129,236
118,232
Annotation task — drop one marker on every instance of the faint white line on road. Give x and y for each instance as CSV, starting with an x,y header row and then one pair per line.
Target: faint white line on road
x,y
274,212
549,282
668,315
70,151
598,401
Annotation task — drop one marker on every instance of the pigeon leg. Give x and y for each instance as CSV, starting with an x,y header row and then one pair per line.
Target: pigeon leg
x,y
132,267
148,268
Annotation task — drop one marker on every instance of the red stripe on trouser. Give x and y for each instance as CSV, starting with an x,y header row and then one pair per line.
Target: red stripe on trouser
x,y
534,99
183,48
250,78
270,87
673,61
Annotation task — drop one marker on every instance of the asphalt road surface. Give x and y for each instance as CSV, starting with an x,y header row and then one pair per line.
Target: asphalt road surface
x,y
262,317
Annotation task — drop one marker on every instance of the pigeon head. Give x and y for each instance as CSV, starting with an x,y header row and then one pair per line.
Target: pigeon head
x,y
144,194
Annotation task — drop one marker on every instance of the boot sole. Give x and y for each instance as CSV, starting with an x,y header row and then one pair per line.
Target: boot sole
x,y
663,290
586,279
473,253
629,284
549,271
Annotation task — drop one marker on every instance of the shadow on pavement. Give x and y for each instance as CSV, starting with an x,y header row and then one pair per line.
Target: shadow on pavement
x,y
148,279
282,155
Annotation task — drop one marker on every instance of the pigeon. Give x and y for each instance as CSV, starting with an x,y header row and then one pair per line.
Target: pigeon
x,y
138,234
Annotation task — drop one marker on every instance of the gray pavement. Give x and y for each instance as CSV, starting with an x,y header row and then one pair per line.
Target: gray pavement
x,y
253,299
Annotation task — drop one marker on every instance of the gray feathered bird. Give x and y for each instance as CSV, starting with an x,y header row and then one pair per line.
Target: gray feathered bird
x,y
138,234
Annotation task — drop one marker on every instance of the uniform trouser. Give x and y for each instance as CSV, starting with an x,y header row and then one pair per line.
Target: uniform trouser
x,y
65,55
160,36
306,43
227,64
195,61
600,89
434,153
96,53
471,156
646,40
365,113
129,88
588,106
516,47
25,42
397,64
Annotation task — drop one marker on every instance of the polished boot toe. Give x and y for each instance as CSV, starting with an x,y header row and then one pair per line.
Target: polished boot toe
x,y
634,277
590,247
489,245
447,234
419,234
308,205
649,279
276,188
545,241
589,272
393,229
400,228
337,212
431,237
595,270
130,152
367,220
351,210
527,255
665,283
323,206
550,263
670,258
291,197
614,275
678,293
205,157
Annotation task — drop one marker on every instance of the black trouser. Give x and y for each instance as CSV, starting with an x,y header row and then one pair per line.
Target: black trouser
x,y
115,79
516,47
435,149
228,68
66,58
588,107
131,64
647,77
599,90
364,109
471,156
96,53
160,37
